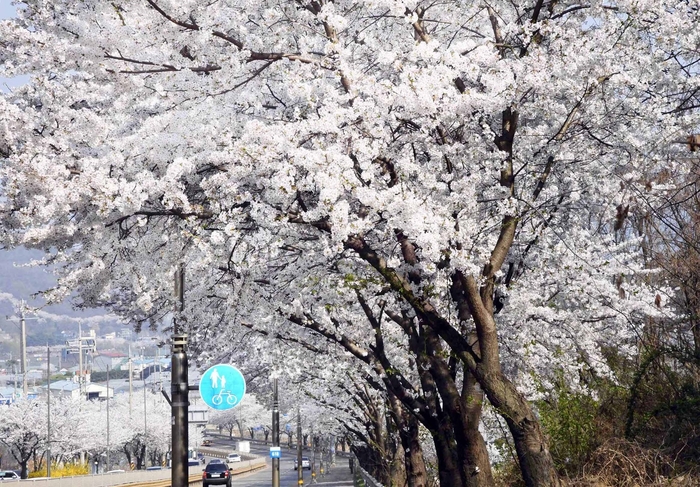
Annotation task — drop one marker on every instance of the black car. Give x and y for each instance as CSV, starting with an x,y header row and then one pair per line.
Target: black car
x,y
216,474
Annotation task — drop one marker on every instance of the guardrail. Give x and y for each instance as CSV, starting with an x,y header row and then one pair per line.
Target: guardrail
x,y
360,476
138,478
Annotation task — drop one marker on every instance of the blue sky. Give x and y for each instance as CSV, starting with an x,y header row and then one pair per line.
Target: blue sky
x,y
22,282
7,10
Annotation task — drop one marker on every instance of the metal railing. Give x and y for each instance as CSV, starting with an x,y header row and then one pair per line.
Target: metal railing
x,y
138,478
360,476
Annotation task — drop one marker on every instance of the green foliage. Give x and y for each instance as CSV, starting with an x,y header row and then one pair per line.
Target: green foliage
x,y
570,423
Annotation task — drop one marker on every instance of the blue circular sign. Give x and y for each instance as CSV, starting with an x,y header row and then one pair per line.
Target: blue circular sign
x,y
222,386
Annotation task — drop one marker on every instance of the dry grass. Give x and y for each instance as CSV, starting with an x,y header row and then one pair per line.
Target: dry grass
x,y
620,463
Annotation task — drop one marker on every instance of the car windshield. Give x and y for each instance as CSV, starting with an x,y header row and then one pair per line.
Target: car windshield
x,y
216,467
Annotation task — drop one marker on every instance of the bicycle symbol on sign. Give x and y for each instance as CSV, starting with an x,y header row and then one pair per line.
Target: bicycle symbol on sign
x,y
218,398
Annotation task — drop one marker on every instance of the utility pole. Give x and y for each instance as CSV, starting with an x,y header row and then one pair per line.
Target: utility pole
x,y
313,456
275,433
131,375
179,390
23,347
80,357
145,422
14,372
300,467
48,410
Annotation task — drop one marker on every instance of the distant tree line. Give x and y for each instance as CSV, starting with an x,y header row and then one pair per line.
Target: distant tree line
x,y
113,374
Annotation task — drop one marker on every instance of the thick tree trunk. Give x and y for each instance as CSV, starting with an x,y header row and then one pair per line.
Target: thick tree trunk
x,y
536,463
408,428
439,424
478,460
464,411
416,474
445,447
396,466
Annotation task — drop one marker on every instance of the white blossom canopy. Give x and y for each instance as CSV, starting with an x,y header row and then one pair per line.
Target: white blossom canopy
x,y
276,147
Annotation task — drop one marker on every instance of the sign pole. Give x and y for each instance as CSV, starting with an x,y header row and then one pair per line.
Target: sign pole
x,y
180,392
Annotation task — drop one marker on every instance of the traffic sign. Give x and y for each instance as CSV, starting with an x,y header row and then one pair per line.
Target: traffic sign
x,y
275,452
222,386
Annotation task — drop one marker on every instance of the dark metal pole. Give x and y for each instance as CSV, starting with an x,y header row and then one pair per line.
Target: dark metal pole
x,y
300,467
109,464
275,433
48,411
145,415
180,392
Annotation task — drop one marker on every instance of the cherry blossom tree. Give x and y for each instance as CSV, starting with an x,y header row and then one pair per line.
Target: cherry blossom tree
x,y
430,186
140,434
23,428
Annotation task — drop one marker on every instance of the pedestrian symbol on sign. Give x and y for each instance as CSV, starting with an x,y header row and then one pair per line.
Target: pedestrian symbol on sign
x,y
222,386
215,379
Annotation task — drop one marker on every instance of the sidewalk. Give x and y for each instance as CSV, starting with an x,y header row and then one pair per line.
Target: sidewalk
x,y
339,476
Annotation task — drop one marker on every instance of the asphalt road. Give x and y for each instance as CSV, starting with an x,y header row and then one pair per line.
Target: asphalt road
x,y
338,475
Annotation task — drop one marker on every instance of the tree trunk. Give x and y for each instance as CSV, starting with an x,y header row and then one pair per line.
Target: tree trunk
x,y
141,457
464,411
536,463
408,428
439,425
445,446
396,466
472,403
531,446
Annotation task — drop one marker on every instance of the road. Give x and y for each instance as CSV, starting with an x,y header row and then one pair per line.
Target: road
x,y
338,476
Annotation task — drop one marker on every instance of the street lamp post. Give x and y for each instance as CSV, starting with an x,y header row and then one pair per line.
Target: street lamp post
x,y
179,388
275,433
300,466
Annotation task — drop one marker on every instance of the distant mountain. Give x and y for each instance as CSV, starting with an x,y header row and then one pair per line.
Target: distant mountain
x,y
19,282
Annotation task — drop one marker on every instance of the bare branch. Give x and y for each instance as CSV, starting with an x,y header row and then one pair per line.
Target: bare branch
x,y
186,25
228,38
